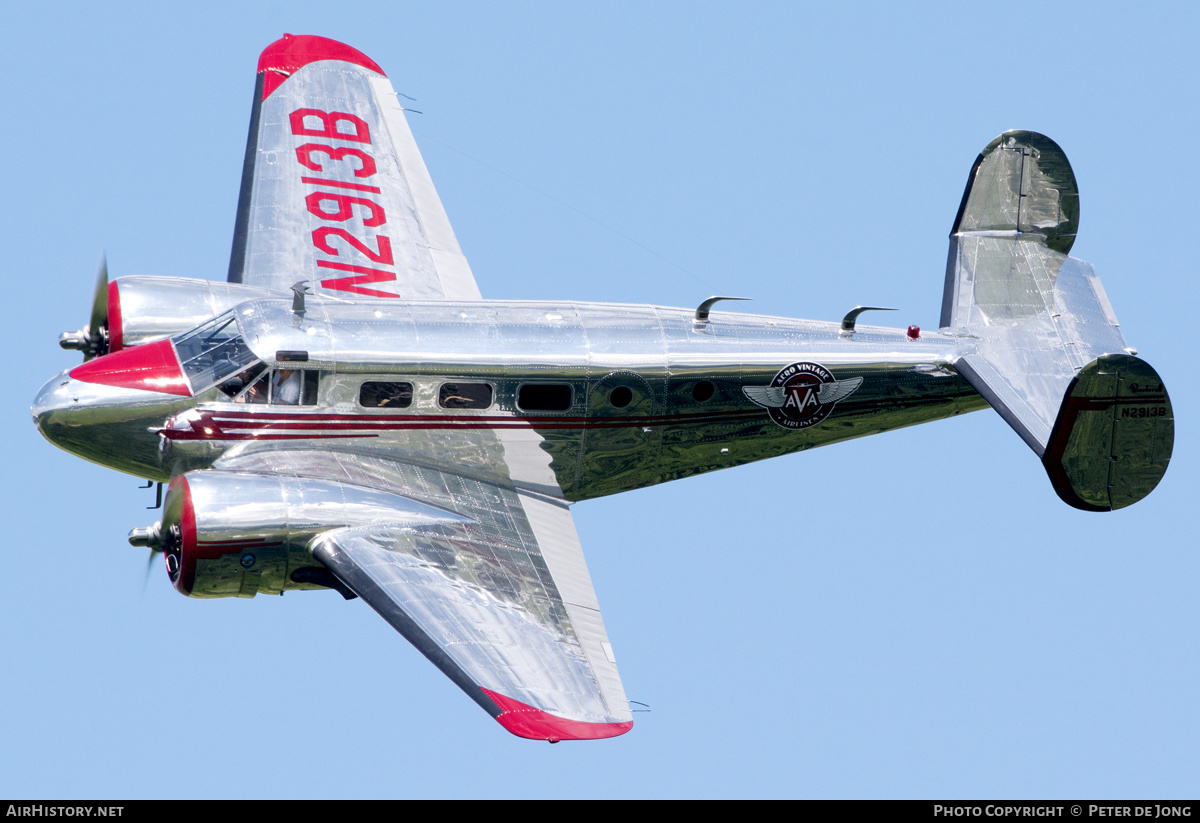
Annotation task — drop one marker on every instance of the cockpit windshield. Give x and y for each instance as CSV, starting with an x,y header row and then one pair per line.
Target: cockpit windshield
x,y
214,351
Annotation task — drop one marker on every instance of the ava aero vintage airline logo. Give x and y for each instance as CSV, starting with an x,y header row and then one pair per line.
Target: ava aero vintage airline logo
x,y
802,394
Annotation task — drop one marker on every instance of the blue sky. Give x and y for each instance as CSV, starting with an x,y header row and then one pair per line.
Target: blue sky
x,y
914,614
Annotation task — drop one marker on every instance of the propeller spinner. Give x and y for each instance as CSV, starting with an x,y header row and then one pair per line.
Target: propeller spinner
x,y
159,539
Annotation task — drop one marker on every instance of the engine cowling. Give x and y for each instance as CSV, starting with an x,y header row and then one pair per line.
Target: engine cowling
x,y
142,308
234,534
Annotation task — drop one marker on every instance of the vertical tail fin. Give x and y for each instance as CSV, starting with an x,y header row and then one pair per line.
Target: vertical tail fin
x,y
1041,341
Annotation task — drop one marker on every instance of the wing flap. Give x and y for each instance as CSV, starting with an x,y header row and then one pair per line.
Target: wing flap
x,y
554,530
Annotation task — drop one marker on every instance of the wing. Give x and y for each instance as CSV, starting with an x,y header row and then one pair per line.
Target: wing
x,y
498,598
334,190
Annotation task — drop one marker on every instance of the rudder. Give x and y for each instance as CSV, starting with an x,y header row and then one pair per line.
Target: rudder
x,y
1113,437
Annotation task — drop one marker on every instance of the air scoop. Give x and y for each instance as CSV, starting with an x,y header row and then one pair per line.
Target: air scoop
x,y
151,367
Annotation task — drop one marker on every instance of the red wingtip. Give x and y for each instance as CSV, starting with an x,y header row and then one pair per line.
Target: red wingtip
x,y
295,51
535,724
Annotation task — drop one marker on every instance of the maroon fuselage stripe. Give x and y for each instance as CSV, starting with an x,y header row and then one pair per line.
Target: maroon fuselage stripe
x,y
233,425
447,418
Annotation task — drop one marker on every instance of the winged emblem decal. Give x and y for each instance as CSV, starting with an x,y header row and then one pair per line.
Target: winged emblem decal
x,y
802,394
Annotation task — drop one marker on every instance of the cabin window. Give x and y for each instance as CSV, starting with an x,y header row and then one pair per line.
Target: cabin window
x,y
703,391
465,395
544,397
375,395
620,397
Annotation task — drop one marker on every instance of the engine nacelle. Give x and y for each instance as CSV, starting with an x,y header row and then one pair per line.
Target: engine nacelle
x,y
142,309
231,534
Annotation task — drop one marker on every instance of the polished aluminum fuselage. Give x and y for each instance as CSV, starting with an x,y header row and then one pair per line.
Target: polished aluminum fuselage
x,y
593,448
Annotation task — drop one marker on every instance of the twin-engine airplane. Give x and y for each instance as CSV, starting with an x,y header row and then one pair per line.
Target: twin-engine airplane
x,y
347,412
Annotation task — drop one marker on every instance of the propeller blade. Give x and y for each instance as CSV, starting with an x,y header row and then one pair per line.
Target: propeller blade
x,y
100,299
149,567
92,340
98,326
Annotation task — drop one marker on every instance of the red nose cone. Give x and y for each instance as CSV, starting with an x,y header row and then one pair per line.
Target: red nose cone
x,y
152,367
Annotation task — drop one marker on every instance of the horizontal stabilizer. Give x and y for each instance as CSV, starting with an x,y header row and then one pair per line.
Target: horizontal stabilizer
x,y
1034,319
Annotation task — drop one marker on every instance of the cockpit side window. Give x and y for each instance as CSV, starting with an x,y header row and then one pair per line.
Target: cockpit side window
x,y
213,352
234,385
257,391
285,386
309,395
279,387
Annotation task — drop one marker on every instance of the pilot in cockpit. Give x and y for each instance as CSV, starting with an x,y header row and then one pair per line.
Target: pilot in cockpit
x,y
233,386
